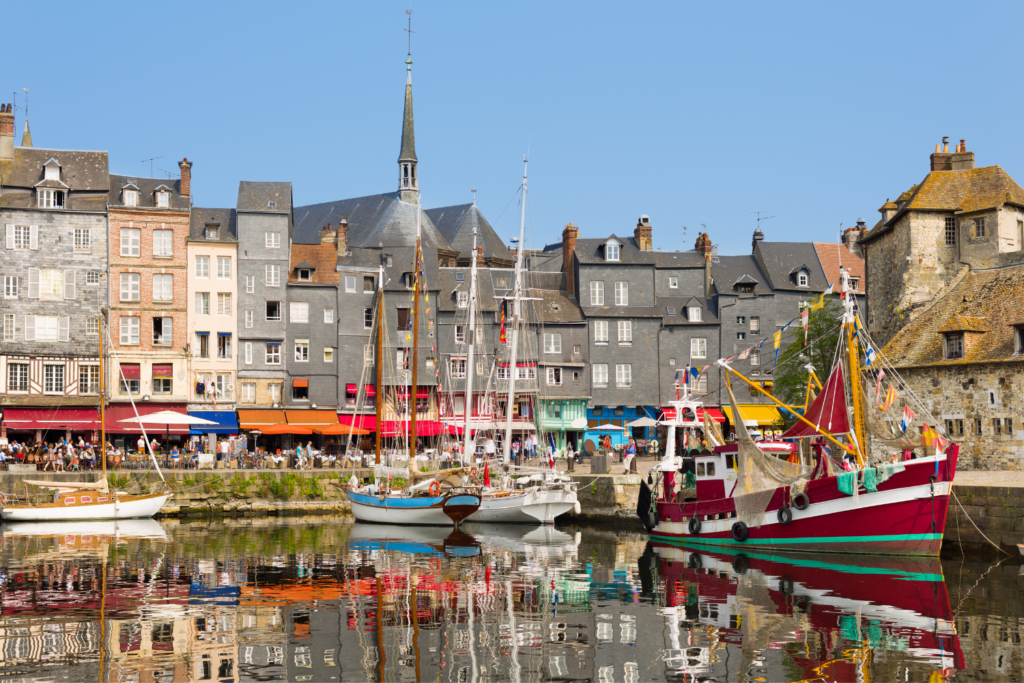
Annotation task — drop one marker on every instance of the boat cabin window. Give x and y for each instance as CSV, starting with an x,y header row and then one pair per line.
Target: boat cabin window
x,y
705,469
730,461
700,469
711,469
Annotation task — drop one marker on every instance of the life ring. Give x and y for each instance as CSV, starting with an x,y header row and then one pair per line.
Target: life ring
x,y
785,516
435,488
740,532
473,473
802,501
694,526
435,564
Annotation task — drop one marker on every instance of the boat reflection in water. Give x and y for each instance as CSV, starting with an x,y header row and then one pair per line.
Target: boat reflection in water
x,y
331,600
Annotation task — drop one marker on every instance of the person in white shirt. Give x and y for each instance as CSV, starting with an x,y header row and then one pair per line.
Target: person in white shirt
x,y
142,445
225,449
489,448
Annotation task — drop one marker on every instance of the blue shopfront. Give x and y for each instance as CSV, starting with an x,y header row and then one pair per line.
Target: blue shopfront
x,y
614,419
225,424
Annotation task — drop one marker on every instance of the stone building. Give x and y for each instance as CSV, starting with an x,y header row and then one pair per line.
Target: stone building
x,y
53,209
148,233
563,367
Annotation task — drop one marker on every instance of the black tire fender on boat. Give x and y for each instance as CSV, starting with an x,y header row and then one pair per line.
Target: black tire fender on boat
x,y
802,501
696,561
740,532
785,516
694,526
740,563
786,586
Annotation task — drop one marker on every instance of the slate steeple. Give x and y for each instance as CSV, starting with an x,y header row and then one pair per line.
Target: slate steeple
x,y
26,137
408,187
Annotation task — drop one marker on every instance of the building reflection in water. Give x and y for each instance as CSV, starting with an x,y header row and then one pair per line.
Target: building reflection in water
x,y
330,601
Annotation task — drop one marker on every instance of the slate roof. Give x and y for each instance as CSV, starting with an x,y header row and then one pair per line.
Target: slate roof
x,y
360,258
622,312
832,255
226,219
402,262
256,196
678,259
544,280
591,251
321,258
147,187
449,283
372,220
408,150
679,304
506,274
781,259
80,171
456,224
556,307
731,269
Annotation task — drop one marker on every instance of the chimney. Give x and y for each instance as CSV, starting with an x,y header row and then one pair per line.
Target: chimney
x,y
6,133
962,160
327,235
569,235
703,245
758,237
186,177
941,159
480,262
642,234
342,237
851,235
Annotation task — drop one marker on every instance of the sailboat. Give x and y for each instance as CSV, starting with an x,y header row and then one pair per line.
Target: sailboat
x,y
79,501
766,495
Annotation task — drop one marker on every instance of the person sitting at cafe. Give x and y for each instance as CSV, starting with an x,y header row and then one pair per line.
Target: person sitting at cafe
x,y
175,457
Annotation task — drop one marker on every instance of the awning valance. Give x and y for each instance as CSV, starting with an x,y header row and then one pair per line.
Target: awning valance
x,y
300,382
403,392
311,418
131,371
123,411
257,419
163,371
756,415
716,415
75,419
361,421
226,421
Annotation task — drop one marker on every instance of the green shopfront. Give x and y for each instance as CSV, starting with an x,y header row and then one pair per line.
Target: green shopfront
x,y
565,419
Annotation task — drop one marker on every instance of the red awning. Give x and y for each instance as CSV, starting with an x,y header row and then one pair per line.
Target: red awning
x,y
371,390
518,365
123,411
403,392
131,371
163,371
354,389
300,382
351,389
75,419
828,411
423,428
362,421
715,413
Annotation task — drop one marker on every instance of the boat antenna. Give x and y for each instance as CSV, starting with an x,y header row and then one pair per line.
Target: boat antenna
x,y
517,295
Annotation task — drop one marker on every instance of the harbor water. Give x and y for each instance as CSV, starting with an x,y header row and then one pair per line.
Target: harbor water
x,y
313,599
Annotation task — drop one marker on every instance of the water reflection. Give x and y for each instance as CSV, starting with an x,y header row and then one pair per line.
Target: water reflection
x,y
328,600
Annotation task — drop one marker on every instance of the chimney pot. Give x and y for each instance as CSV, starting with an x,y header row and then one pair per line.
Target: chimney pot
x,y
569,235
642,234
342,237
186,177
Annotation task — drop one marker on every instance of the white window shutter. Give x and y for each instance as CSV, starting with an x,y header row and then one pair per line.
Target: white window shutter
x,y
33,283
64,328
69,284
33,237
10,237
168,330
30,328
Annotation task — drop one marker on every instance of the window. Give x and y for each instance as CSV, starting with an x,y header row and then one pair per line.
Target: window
x,y
802,278
298,312
130,240
129,386
223,303
954,345
755,357
224,386
755,326
129,330
248,392
673,283
273,310
10,286
223,267
600,331
83,239
131,198
503,372
273,274
163,385
611,252
740,336
979,227
250,284
248,320
329,316
163,331
203,344
8,327
51,199
202,267
163,200
202,303
92,327
92,277
51,284
273,354
460,334
950,231
576,348
693,314
212,232
699,384
223,347
463,299
1020,338
526,373
367,318
1020,235
53,378
273,240
621,293
699,347
600,371
302,350
300,390
350,283
625,331
977,426
552,343
458,367
1002,425
576,376
672,361
854,284
274,393
17,377
163,243
955,427
368,354
404,321
741,320
22,237
248,353
624,375
670,310
597,293
304,275
163,287
554,377
328,355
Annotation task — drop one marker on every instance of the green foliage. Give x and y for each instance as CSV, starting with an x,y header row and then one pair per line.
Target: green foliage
x,y
823,330
310,487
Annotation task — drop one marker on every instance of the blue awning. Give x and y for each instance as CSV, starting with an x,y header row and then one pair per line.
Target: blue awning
x,y
227,422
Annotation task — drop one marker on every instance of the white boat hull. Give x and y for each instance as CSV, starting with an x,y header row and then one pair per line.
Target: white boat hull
x,y
434,511
526,507
124,509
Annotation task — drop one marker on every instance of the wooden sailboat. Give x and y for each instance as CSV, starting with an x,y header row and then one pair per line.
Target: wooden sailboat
x,y
78,501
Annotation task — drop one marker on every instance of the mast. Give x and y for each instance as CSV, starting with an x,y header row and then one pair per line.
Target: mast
x,y
415,339
854,360
380,350
469,354
517,297
103,403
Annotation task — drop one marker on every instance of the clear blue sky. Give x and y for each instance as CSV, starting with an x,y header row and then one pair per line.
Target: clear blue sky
x,y
692,113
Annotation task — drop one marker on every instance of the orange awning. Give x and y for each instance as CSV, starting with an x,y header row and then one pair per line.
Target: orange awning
x,y
300,382
311,418
343,430
258,419
285,429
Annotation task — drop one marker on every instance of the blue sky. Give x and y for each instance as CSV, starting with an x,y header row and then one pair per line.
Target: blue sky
x,y
813,113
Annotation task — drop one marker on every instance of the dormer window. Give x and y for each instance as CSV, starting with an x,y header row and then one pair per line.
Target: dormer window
x,y
305,275
271,205
213,232
854,284
50,199
131,198
746,289
52,171
163,200
611,251
693,314
462,299
954,345
802,278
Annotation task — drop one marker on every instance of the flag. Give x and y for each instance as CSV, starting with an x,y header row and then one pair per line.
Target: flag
x,y
890,398
695,372
504,340
778,339
908,418
487,475
927,435
745,355
551,453
805,317
870,357
878,385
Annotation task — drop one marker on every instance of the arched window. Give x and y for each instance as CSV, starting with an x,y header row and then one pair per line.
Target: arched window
x,y
801,278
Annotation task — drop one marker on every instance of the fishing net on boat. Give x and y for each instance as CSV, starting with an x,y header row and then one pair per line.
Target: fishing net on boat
x,y
759,475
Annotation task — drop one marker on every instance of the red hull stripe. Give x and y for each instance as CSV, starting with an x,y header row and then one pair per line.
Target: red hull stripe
x,y
810,540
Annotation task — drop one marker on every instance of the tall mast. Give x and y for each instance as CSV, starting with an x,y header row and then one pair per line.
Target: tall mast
x,y
415,339
380,350
103,404
517,295
854,361
471,340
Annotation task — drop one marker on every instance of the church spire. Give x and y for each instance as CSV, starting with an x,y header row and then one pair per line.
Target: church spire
x,y
26,138
408,186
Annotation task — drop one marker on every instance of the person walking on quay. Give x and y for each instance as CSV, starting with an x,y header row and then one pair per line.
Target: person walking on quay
x,y
627,459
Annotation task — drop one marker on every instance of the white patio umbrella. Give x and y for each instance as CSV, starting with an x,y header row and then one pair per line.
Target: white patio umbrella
x,y
167,418
606,427
643,422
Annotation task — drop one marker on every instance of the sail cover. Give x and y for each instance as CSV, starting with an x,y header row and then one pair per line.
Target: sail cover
x,y
828,410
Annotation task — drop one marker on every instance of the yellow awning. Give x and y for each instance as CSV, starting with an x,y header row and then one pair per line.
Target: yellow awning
x,y
761,414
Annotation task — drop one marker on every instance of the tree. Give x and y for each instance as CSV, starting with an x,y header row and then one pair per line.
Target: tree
x,y
823,330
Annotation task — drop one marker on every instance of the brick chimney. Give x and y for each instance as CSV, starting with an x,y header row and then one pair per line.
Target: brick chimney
x,y
703,244
962,160
852,235
6,133
941,159
642,234
342,237
569,235
186,177
480,262
327,235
